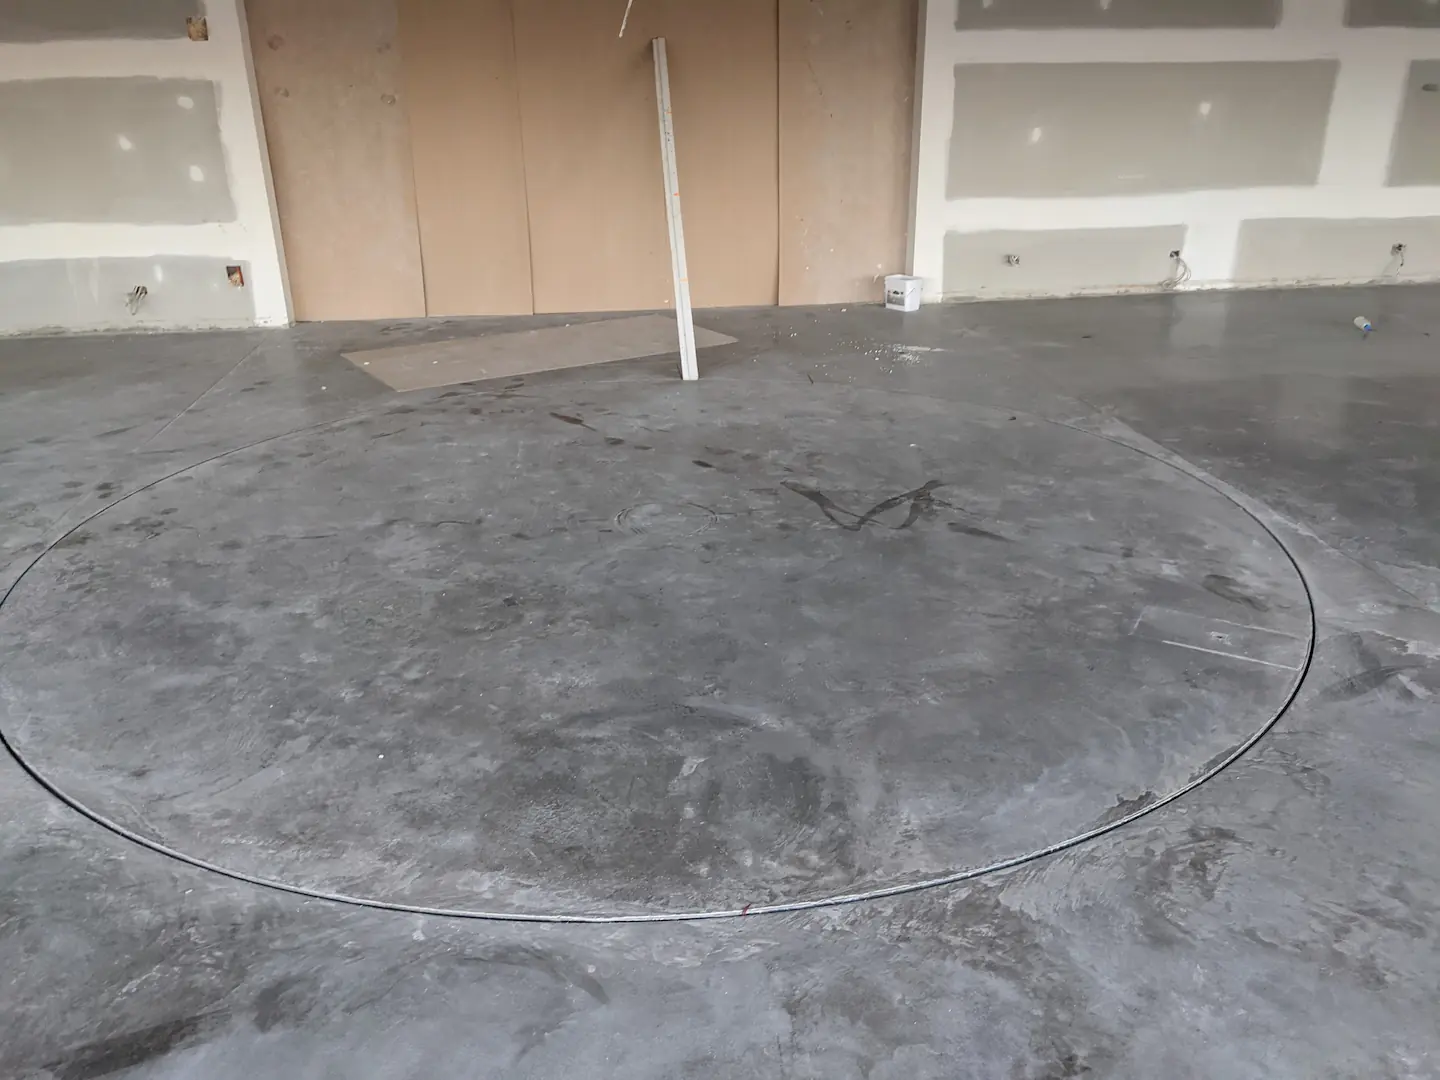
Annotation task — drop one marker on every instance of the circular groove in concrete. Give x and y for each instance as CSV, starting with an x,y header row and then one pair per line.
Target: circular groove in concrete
x,y
46,778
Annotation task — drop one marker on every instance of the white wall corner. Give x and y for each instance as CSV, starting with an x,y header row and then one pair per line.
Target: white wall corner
x,y
934,109
242,132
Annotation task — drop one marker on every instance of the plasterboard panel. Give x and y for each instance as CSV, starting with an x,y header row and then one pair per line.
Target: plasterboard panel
x,y
68,20
1116,15
1279,250
329,79
592,151
847,81
458,58
1415,152
140,150
1048,130
1058,262
90,294
1419,13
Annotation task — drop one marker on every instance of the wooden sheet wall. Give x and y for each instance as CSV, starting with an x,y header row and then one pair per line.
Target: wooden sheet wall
x,y
847,79
592,151
500,157
329,80
458,58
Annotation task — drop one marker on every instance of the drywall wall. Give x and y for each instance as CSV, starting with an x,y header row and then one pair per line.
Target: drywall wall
x,y
458,59
137,149
1057,117
330,84
123,157
58,20
847,81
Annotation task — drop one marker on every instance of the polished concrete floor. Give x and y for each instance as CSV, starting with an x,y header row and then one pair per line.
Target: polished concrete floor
x,y
1025,691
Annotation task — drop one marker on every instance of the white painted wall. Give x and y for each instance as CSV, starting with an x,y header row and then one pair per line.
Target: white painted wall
x,y
1368,97
225,60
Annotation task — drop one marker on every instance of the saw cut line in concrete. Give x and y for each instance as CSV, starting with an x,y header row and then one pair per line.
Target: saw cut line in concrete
x,y
871,518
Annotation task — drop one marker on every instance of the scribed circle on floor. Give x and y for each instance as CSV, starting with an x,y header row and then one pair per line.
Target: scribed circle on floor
x,y
624,651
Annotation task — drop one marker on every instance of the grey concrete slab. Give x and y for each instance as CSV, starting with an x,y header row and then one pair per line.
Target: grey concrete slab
x,y
137,149
67,20
628,740
1050,130
1125,15
1278,920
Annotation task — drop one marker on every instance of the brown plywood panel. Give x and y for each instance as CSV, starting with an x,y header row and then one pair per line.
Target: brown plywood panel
x,y
592,151
847,80
458,58
1054,130
329,81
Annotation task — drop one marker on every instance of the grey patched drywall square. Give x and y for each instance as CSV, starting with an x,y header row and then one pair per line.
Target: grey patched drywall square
x,y
1051,130
137,149
69,20
1419,13
92,294
1116,15
1058,262
1415,150
1278,251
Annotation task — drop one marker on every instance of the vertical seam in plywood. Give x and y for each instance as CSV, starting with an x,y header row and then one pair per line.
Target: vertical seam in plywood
x,y
410,139
524,165
410,157
779,160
